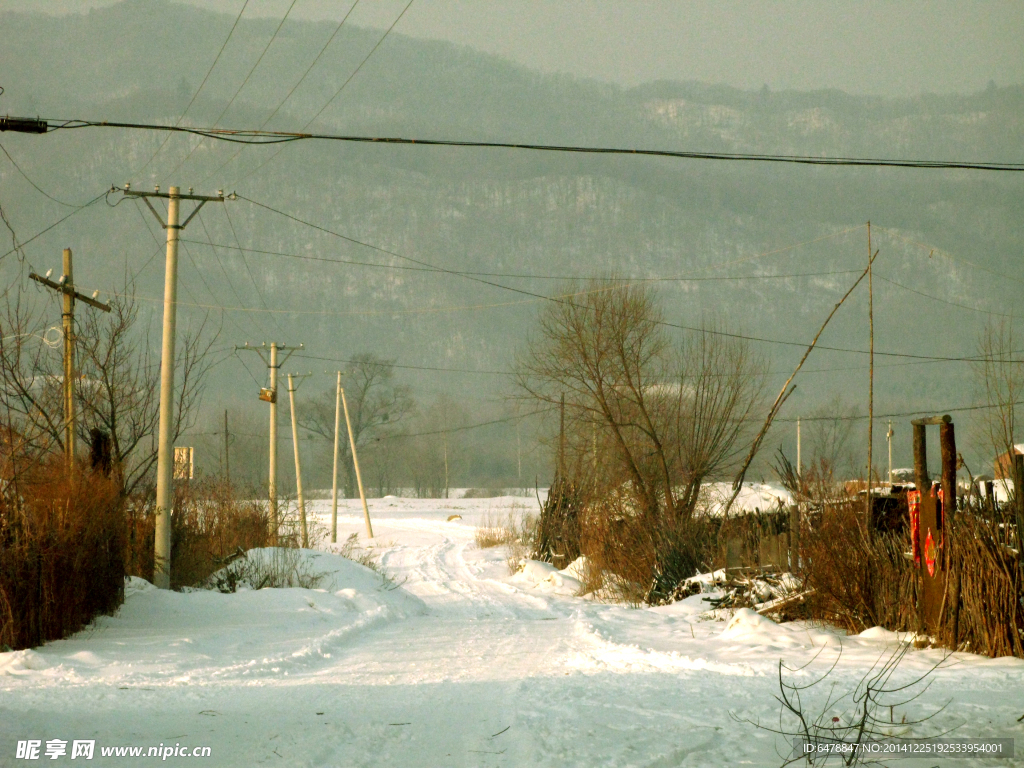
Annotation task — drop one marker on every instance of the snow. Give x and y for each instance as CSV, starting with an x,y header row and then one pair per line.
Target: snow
x,y
454,662
753,497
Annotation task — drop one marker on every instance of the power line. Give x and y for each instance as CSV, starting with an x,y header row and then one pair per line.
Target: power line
x,y
56,223
543,297
196,94
244,82
245,136
338,92
528,276
944,301
294,87
37,188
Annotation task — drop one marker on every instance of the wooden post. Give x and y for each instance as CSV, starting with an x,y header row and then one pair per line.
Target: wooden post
x,y
355,462
68,323
871,383
227,455
561,439
947,447
921,481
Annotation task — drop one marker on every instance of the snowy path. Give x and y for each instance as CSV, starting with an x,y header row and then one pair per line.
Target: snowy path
x,y
461,666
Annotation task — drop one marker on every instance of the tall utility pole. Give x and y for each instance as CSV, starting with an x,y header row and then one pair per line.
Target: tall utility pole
x,y
66,286
227,455
871,374
355,462
334,485
298,466
165,440
888,438
269,395
799,465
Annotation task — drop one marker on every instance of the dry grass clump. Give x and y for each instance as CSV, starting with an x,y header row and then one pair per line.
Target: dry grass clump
x,y
212,523
639,560
859,580
985,614
61,553
495,531
283,567
517,530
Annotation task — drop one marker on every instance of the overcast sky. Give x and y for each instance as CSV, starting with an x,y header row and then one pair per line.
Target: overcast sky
x,y
883,47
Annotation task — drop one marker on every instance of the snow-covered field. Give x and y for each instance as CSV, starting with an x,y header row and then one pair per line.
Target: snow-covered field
x,y
460,665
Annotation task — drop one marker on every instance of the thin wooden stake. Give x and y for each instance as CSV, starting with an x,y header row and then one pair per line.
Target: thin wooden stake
x,y
355,461
784,394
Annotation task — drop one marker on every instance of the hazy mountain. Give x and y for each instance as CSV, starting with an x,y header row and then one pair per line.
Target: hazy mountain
x,y
952,235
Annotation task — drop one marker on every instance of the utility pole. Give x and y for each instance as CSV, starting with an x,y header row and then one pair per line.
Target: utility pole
x,y
269,395
871,375
888,437
334,484
298,467
561,439
227,455
799,465
355,462
165,440
66,286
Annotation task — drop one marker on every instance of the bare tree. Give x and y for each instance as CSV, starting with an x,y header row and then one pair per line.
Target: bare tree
x,y
118,386
999,377
376,405
656,416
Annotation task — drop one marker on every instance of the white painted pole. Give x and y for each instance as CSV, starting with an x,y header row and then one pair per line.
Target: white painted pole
x,y
334,487
298,467
165,447
355,461
275,523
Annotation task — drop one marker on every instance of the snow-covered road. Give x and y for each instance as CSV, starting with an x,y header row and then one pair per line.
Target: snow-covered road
x,y
461,665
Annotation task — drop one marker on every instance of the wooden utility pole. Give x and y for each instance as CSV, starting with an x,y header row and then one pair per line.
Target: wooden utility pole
x,y
871,376
334,484
298,466
269,395
66,286
227,455
799,461
355,462
888,438
561,439
165,439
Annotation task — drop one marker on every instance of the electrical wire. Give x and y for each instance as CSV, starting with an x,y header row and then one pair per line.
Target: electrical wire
x,y
543,297
200,88
293,89
529,276
944,301
947,255
220,263
280,137
35,186
242,86
263,299
336,93
56,223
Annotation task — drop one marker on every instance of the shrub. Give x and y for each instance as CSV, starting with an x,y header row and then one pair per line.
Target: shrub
x,y
859,579
210,524
62,548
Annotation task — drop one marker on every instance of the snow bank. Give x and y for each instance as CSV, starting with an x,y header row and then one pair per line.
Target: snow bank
x,y
753,497
548,578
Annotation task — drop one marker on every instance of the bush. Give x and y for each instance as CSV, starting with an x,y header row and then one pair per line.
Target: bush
x,y
859,579
211,524
62,549
644,559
